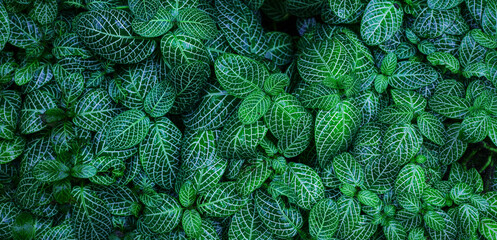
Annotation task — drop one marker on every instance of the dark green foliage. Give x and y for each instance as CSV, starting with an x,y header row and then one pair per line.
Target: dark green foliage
x,y
248,119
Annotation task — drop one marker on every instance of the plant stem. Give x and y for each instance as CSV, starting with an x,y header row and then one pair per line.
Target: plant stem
x,y
121,7
303,234
488,147
472,154
489,161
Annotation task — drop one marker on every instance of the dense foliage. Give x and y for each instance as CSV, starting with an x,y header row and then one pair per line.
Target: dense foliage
x,y
248,119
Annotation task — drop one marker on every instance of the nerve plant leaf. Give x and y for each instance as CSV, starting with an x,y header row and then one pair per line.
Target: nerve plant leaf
x,y
248,119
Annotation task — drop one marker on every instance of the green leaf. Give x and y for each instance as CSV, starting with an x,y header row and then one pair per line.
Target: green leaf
x,y
45,12
348,170
83,171
161,22
412,75
477,69
160,99
127,129
349,210
25,74
458,175
246,224
209,176
240,141
209,230
410,203
381,83
431,23
62,191
252,177
318,96
345,9
445,59
280,48
7,71
90,219
160,151
394,230
323,219
96,29
434,220
197,23
253,107
427,48
468,219
198,149
69,45
396,114
476,180
187,194
71,86
381,19
326,62
276,83
431,127
240,75
491,198
176,5
380,175
489,18
241,27
443,4
434,197
63,232
93,110
108,170
474,128
410,98
454,148
279,219
334,129
24,32
460,193
449,232
450,106
35,105
212,111
254,4
9,213
164,217
120,200
11,149
401,143
179,48
389,64
290,123
470,51
417,234
220,200
484,39
188,80
411,181
479,202
305,183
368,198
4,26
488,228
50,171
143,9
491,63
192,223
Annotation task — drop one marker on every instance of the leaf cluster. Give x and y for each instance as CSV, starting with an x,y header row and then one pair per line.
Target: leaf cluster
x,y
209,119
